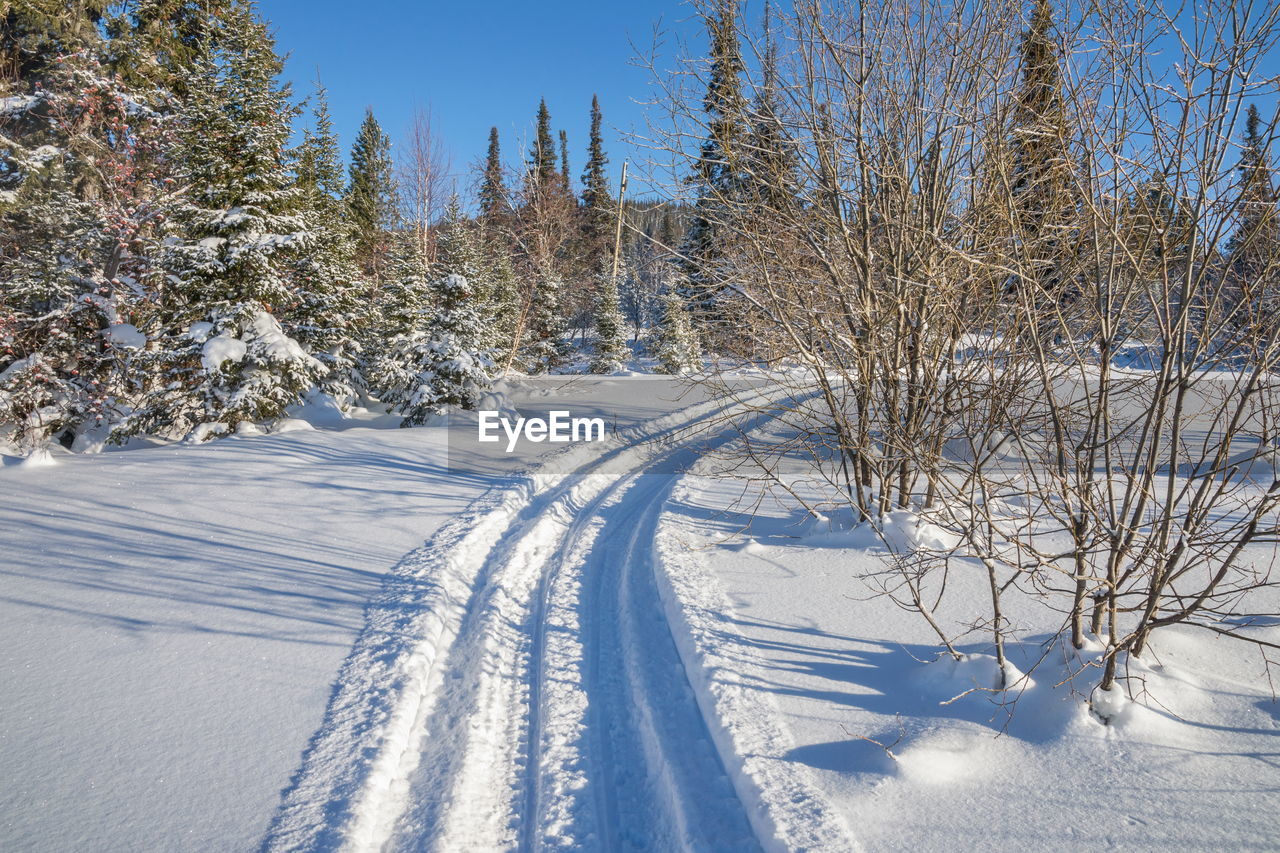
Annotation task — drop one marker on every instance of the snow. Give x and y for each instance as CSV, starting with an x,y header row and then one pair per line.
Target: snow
x,y
246,645
819,682
291,425
15,104
173,618
125,335
220,349
38,458
271,341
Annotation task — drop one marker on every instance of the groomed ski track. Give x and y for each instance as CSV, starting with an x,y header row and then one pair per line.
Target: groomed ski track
x,y
517,686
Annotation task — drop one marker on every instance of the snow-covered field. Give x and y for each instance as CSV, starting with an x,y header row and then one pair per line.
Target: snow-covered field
x,y
173,619
247,645
792,632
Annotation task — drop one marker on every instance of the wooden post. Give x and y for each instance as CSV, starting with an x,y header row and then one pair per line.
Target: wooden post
x,y
617,233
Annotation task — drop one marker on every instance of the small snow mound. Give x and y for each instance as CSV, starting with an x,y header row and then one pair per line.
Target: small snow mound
x,y
1112,707
320,409
903,531
290,425
496,400
948,679
40,458
220,349
249,428
750,546
203,432
943,757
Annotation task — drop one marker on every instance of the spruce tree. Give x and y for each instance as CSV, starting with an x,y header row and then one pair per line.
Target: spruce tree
x,y
73,164
222,357
372,204
444,359
404,309
1041,179
716,175
501,308
435,351
1253,253
769,162
611,341
542,157
459,252
493,187
546,348
326,312
674,343
564,160
597,202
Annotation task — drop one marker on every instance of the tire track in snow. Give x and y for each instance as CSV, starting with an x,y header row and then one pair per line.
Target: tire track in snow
x,y
353,775
482,769
428,742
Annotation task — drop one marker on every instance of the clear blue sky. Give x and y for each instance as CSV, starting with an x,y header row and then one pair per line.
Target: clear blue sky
x,y
477,65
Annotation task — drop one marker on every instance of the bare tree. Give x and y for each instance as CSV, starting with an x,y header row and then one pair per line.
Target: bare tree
x,y
984,244
426,179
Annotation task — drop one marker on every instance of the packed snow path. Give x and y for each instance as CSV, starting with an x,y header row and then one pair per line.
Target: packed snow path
x,y
518,686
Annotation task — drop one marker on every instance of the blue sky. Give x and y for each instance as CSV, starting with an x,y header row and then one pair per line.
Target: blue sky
x,y
477,65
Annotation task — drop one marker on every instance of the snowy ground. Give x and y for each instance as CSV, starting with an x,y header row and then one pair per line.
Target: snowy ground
x,y
173,618
789,630
246,645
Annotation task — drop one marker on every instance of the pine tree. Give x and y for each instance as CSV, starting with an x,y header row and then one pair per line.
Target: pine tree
x,y
611,341
493,188
222,357
542,157
372,204
564,160
76,154
1253,253
160,40
716,173
1042,184
597,202
459,252
546,348
769,161
446,362
675,344
326,313
404,309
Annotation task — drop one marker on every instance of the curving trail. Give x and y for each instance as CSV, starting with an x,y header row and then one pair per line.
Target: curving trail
x,y
519,686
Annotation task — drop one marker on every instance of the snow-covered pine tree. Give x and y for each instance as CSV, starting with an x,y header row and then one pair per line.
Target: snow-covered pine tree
x,y
326,313
1253,252
458,251
404,309
222,356
611,340
372,198
547,348
444,360
675,343
501,307
74,152
717,173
